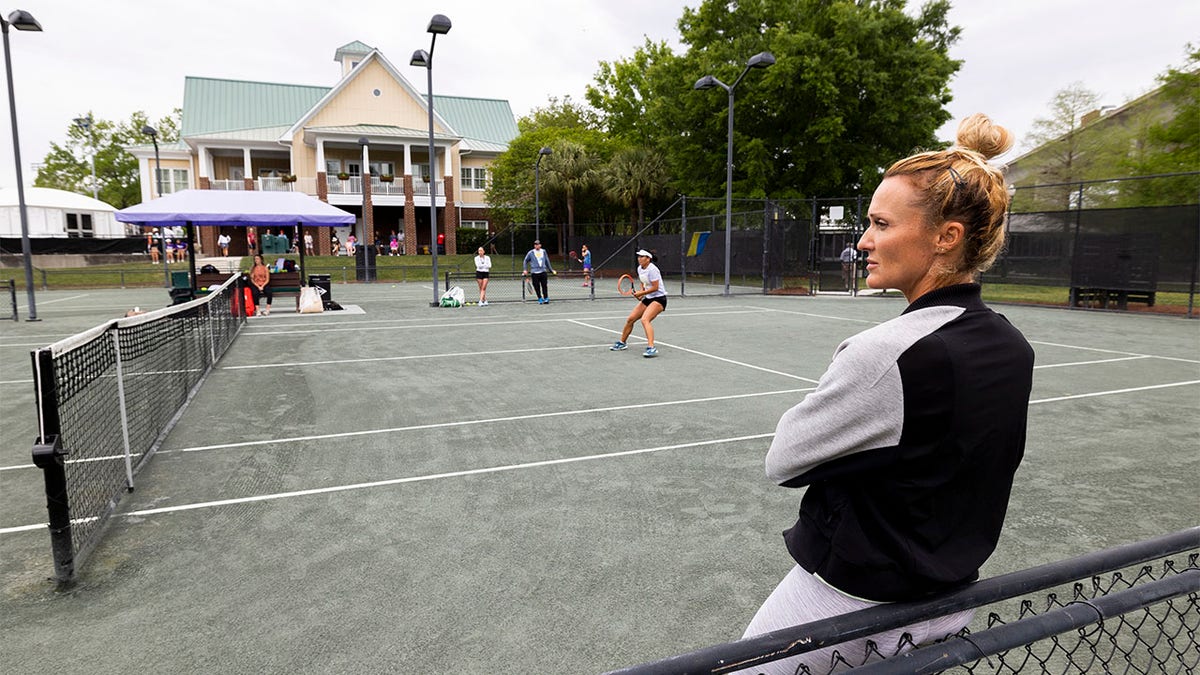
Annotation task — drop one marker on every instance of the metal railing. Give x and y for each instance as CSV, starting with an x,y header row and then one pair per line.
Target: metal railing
x,y
1168,636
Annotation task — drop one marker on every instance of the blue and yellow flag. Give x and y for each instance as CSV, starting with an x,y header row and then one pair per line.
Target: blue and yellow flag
x,y
699,239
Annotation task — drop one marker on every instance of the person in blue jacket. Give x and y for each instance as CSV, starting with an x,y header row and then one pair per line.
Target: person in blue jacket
x,y
909,445
537,267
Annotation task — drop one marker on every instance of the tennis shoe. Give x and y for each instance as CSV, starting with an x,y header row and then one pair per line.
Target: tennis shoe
x,y
650,352
618,346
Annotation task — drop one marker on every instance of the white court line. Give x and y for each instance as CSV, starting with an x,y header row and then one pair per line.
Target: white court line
x,y
30,381
1088,363
709,356
50,302
477,323
410,479
1115,391
1113,351
32,344
818,316
575,412
407,358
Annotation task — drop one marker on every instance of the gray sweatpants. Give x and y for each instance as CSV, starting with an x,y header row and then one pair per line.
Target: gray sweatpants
x,y
802,598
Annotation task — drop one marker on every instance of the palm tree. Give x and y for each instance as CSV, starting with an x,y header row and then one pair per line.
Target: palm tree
x,y
633,176
570,168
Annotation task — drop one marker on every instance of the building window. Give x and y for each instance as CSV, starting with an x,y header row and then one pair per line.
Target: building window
x,y
421,171
80,225
333,166
473,225
171,180
383,169
474,178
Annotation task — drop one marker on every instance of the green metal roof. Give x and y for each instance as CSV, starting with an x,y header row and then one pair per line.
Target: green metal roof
x,y
211,105
486,119
227,107
355,47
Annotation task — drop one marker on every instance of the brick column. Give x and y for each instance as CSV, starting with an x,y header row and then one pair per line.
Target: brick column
x,y
205,183
410,218
207,236
248,183
322,188
450,218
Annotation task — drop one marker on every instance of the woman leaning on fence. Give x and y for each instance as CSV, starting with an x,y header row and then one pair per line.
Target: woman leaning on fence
x,y
909,444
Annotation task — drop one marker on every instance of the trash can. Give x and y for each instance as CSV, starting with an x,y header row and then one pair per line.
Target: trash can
x,y
321,281
180,280
182,295
364,263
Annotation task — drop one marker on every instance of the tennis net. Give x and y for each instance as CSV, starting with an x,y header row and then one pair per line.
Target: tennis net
x,y
9,287
106,399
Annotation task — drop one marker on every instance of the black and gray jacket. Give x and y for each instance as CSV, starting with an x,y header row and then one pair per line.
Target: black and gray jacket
x,y
908,447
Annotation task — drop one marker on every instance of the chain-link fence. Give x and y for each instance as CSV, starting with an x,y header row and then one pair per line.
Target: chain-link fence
x,y
1128,609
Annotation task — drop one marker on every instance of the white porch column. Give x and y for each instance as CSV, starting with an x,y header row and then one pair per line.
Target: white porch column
x,y
407,160
449,163
247,171
320,155
204,162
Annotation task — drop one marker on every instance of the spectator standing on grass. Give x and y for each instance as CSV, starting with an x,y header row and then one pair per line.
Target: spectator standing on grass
x,y
223,243
308,243
335,244
909,444
652,300
536,266
251,241
483,267
260,285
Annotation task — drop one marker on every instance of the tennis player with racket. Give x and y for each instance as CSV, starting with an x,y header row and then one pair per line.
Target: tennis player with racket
x,y
652,297
536,266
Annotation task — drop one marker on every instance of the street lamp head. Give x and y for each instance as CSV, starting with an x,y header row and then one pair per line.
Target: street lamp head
x,y
761,60
439,24
420,58
706,82
22,20
150,131
363,140
545,151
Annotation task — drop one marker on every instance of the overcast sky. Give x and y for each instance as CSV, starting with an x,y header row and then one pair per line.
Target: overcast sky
x,y
118,56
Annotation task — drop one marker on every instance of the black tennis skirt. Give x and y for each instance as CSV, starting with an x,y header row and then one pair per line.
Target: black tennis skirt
x,y
481,275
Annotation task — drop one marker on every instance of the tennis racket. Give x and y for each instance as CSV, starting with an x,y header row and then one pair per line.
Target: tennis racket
x,y
625,285
528,286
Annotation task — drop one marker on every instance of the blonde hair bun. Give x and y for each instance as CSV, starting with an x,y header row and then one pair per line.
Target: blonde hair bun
x,y
980,134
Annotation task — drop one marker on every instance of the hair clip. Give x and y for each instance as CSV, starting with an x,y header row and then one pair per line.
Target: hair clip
x,y
959,181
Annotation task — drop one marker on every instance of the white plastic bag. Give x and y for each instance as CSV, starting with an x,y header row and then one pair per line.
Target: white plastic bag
x,y
310,300
453,297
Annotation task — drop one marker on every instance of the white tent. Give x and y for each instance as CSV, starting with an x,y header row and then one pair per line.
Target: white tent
x,y
57,213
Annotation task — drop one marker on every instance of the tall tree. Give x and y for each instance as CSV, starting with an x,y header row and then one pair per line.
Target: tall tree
x,y
1062,147
1171,145
510,188
635,175
68,165
855,85
569,169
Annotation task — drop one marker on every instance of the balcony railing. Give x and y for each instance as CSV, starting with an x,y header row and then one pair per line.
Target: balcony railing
x,y
353,186
238,184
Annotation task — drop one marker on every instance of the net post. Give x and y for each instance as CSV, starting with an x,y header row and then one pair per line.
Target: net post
x,y
683,247
48,456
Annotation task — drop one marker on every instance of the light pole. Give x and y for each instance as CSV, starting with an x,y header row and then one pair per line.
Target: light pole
x,y
367,240
162,230
23,21
759,60
537,210
85,123
438,25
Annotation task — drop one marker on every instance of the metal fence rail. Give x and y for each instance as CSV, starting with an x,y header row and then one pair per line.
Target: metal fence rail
x,y
1180,644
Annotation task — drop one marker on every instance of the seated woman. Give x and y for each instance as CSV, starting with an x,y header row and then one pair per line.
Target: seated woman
x,y
260,285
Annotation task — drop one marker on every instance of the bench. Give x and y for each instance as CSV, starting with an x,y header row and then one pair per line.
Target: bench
x,y
1105,297
282,283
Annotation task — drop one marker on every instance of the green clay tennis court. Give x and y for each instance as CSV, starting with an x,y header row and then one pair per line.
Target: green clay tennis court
x,y
491,490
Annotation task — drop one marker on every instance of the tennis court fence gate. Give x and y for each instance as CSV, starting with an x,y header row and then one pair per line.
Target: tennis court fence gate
x,y
106,399
1132,608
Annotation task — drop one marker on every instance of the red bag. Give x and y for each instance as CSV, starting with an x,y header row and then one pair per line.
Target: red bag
x,y
243,305
249,298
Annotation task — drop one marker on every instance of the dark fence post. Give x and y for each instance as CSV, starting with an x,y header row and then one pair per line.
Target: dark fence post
x,y
684,246
48,455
